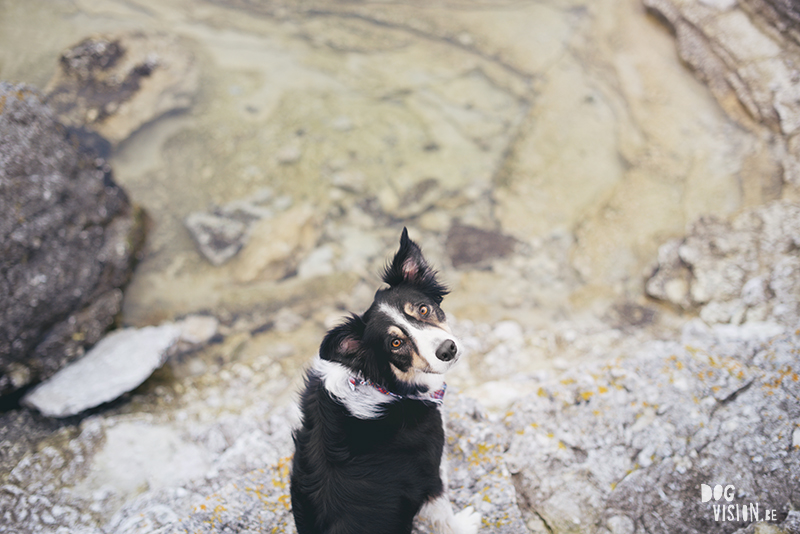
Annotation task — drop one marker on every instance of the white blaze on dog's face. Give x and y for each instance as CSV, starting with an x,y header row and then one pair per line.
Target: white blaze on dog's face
x,y
419,342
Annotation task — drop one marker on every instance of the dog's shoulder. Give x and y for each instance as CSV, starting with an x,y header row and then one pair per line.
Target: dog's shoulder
x,y
329,382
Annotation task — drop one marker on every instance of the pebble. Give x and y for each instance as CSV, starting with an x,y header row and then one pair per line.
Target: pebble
x,y
620,524
508,331
218,238
318,263
197,329
289,153
287,320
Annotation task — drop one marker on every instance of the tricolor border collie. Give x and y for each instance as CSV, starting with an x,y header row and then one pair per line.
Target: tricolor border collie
x,y
369,448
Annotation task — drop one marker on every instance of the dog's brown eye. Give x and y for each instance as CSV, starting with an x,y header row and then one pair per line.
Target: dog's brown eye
x,y
396,343
424,310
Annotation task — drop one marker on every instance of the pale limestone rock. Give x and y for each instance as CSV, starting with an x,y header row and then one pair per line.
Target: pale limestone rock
x,y
289,153
748,65
743,270
565,157
117,364
197,329
117,83
275,244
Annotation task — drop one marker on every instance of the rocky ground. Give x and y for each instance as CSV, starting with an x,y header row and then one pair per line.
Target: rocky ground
x,y
619,446
620,240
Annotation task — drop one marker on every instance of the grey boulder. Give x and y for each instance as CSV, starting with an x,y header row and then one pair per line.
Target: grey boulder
x,y
68,241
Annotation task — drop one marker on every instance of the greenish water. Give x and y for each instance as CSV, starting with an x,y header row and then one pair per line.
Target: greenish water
x,y
569,125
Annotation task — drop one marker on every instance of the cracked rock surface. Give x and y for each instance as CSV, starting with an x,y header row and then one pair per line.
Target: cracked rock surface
x,y
624,447
747,54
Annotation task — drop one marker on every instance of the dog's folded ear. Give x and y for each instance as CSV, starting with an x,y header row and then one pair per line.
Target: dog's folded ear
x,y
409,267
343,344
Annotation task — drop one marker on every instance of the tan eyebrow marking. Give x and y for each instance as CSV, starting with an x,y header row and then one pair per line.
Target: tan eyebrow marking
x,y
396,332
412,310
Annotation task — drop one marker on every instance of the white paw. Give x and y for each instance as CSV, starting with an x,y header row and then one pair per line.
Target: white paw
x,y
467,521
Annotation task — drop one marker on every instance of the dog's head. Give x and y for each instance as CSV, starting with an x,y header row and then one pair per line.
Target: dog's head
x,y
402,341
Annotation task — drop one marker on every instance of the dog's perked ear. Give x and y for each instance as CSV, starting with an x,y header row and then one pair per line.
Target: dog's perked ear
x,y
409,267
344,343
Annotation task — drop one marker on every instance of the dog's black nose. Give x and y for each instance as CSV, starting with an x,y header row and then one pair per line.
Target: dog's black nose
x,y
447,350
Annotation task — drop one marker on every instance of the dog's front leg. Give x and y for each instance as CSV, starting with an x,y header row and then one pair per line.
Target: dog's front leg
x,y
439,511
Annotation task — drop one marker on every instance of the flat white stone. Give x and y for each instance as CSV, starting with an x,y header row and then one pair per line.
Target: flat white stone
x,y
119,363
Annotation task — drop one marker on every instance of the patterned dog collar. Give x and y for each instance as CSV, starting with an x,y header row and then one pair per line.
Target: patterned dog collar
x,y
436,397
